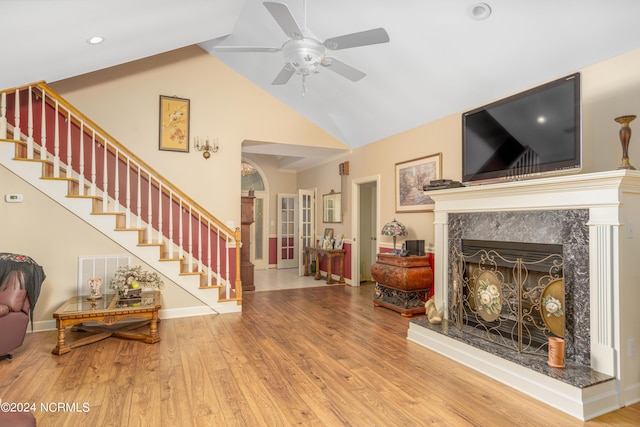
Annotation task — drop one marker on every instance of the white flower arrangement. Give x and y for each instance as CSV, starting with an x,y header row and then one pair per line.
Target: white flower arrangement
x,y
552,306
489,296
134,277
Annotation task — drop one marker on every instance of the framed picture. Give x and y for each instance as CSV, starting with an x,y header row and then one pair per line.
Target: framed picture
x,y
411,177
174,124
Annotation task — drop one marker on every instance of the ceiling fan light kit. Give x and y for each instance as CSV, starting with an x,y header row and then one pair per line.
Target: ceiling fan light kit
x,y
304,54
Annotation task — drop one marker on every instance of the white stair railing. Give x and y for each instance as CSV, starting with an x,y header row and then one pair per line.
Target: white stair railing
x,y
125,183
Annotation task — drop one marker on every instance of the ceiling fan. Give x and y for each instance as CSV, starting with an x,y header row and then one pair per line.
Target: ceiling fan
x,y
304,54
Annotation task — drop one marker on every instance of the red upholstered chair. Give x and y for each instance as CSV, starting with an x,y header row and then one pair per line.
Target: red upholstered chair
x,y
14,318
17,419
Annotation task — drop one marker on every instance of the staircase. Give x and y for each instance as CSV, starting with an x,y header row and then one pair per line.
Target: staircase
x,y
59,151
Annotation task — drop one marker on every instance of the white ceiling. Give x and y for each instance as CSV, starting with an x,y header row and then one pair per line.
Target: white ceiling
x,y
439,60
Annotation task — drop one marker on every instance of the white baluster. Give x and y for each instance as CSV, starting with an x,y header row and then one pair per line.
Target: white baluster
x,y
209,269
116,181
128,195
218,254
56,145
180,232
171,238
149,212
199,242
43,128
69,150
3,115
139,200
81,161
160,231
190,239
30,126
105,177
94,160
16,128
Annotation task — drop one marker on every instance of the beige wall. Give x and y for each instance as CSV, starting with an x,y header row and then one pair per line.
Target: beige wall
x,y
54,238
124,100
609,89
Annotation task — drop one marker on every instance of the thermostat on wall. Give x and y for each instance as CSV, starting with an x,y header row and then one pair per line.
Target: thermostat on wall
x,y
13,198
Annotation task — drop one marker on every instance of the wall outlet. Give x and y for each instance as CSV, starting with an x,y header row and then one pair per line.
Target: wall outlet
x,y
629,228
631,347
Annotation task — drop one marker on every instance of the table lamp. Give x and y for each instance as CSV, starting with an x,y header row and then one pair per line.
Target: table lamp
x,y
395,229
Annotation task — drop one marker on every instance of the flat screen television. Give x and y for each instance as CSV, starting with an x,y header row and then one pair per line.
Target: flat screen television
x,y
525,135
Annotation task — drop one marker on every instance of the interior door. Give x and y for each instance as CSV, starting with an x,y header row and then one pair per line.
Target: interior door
x,y
368,235
365,224
287,230
306,221
259,248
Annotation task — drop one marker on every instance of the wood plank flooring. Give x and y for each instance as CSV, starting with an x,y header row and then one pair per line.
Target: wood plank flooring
x,y
319,357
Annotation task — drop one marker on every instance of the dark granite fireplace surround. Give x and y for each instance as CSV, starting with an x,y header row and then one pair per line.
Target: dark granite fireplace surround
x,y
563,227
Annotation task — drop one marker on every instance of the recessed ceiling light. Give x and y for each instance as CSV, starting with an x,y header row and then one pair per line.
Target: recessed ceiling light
x,y
480,11
95,40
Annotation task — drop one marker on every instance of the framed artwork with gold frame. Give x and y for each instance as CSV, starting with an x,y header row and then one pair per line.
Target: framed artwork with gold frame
x,y
411,177
174,124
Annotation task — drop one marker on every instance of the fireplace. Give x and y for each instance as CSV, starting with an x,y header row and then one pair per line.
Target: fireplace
x,y
590,217
533,236
509,293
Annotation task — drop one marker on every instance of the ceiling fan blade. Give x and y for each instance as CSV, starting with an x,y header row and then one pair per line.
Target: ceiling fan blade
x,y
285,19
343,69
283,76
246,49
363,38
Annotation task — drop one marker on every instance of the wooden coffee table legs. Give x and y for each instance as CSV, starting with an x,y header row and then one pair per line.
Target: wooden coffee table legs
x,y
100,332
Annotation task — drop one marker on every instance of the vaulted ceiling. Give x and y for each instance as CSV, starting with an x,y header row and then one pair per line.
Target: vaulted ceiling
x,y
440,59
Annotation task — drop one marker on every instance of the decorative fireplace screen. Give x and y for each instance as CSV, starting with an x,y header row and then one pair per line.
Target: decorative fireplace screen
x,y
509,293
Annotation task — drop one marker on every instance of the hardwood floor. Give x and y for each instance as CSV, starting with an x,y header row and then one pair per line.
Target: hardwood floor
x,y
320,356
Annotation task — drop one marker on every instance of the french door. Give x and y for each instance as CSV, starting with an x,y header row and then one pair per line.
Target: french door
x,y
287,231
306,221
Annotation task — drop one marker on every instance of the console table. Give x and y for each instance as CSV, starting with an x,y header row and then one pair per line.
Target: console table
x,y
324,253
402,283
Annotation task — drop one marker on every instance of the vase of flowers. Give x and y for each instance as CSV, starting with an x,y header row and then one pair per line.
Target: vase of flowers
x,y
129,281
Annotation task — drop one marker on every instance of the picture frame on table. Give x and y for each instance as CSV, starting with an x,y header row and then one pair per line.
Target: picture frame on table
x,y
174,124
411,177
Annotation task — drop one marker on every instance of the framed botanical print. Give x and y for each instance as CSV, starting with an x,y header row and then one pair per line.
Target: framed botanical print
x,y
174,124
411,177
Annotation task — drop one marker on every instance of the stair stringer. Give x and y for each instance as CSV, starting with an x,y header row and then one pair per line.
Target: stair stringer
x,y
82,207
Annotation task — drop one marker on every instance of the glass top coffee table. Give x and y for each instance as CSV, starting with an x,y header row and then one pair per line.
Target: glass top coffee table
x,y
104,317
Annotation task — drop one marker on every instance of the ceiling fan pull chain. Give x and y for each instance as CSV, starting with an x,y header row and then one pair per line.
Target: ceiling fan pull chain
x,y
304,85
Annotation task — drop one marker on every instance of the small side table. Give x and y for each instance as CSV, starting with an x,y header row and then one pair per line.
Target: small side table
x,y
402,283
329,254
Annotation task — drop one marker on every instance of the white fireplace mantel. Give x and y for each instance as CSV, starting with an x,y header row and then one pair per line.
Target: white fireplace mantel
x,y
613,201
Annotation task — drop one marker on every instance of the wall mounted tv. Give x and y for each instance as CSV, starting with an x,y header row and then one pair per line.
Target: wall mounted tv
x,y
528,134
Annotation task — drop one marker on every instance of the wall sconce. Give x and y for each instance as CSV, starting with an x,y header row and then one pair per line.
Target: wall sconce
x,y
206,148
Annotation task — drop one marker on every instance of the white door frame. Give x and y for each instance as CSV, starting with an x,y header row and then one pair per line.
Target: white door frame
x,y
355,223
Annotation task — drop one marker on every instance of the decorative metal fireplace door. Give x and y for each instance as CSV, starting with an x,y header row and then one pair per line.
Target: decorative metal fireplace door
x,y
514,298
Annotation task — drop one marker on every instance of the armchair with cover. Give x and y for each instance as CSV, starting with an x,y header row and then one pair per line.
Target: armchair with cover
x,y
20,282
